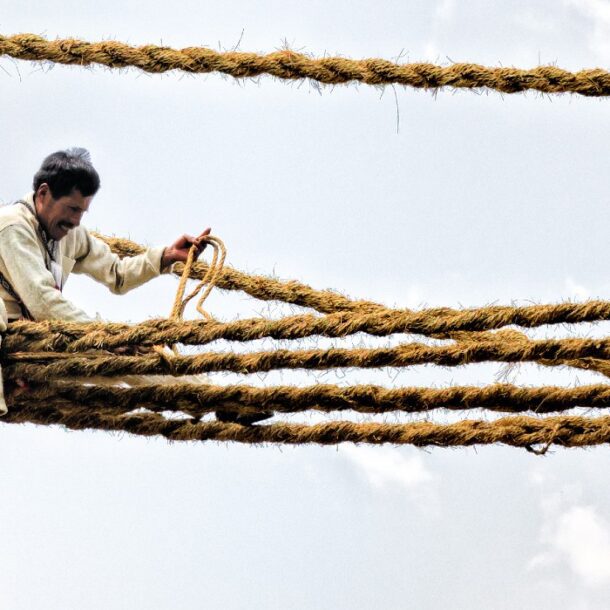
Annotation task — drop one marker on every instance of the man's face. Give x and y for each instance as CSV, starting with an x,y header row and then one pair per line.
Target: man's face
x,y
58,216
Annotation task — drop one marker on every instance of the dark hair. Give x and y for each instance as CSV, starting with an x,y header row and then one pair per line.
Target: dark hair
x,y
66,170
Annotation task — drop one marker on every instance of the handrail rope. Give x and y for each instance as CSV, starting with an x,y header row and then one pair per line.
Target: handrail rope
x,y
436,321
287,64
56,335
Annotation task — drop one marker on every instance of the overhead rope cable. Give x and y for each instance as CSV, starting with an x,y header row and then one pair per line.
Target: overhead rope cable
x,y
290,65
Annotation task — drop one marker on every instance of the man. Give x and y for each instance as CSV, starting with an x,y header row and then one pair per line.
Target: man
x,y
42,242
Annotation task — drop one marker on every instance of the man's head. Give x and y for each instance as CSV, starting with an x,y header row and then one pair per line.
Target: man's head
x,y
63,189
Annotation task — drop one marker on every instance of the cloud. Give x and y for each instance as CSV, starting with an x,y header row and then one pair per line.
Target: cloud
x,y
579,538
387,467
583,538
598,12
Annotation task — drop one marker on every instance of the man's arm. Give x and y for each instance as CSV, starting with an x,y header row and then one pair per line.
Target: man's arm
x,y
120,275
31,280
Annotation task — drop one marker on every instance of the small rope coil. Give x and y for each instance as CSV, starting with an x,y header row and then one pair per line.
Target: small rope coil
x,y
207,283
203,289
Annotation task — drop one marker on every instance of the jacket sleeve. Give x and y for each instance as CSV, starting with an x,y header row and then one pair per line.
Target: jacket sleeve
x,y
31,280
3,327
96,260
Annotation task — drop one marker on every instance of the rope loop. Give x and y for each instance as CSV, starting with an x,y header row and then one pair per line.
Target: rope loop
x,y
207,283
203,288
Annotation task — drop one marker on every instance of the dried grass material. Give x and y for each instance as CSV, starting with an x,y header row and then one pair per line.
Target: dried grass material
x,y
41,366
287,64
514,431
198,400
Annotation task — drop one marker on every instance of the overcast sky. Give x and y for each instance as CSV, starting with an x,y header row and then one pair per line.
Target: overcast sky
x,y
395,195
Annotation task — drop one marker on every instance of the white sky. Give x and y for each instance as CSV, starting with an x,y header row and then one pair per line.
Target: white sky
x,y
476,199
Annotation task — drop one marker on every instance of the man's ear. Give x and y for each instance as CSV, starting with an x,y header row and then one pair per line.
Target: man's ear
x,y
42,191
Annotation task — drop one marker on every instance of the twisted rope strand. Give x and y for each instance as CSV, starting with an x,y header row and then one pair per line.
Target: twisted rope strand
x,y
290,65
40,366
56,335
200,399
566,431
257,286
328,302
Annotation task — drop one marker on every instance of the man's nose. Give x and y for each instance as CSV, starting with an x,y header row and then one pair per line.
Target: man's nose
x,y
76,217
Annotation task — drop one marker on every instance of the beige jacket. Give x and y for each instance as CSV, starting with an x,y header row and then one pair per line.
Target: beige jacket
x,y
22,263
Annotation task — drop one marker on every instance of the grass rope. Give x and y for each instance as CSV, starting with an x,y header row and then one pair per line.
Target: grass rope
x,y
516,431
287,64
198,400
55,335
40,366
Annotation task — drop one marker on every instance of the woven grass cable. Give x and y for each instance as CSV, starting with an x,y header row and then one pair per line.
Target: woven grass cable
x,y
286,64
56,335
257,286
565,431
197,400
498,347
328,301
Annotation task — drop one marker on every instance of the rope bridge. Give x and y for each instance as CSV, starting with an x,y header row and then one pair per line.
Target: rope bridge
x,y
64,361
75,371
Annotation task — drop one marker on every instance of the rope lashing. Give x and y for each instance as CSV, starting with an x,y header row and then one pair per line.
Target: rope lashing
x,y
290,65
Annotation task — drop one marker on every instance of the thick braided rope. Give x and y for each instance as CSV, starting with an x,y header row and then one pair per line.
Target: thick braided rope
x,y
197,400
328,302
40,366
288,64
71,336
257,286
524,432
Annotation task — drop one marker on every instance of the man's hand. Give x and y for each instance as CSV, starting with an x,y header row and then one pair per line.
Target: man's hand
x,y
179,250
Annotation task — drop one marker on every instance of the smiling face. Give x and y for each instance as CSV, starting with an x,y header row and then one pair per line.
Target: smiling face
x,y
59,216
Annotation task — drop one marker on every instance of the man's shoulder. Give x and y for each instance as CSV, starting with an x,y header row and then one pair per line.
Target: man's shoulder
x,y
15,214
